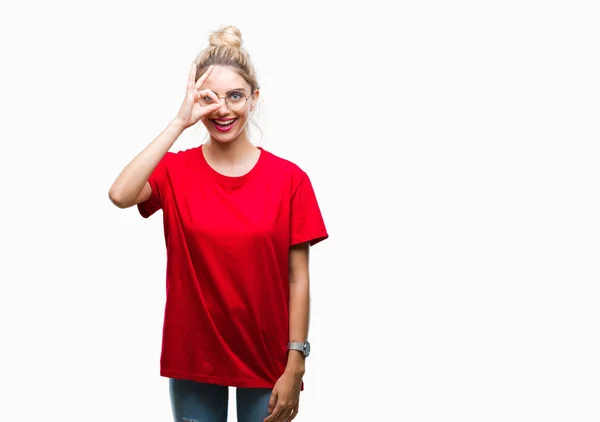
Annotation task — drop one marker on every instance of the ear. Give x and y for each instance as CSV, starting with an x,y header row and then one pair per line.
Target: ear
x,y
255,96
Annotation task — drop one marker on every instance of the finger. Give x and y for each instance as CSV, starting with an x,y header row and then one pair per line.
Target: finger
x,y
202,78
294,412
209,93
277,414
212,104
285,414
273,401
192,75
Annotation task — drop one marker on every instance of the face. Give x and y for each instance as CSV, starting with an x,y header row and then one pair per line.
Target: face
x,y
227,83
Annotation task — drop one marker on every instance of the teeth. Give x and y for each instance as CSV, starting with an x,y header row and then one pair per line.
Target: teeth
x,y
224,123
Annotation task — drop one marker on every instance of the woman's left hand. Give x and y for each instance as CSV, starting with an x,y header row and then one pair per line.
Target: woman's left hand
x,y
285,398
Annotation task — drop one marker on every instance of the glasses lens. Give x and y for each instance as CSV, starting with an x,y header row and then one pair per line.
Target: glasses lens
x,y
205,100
236,100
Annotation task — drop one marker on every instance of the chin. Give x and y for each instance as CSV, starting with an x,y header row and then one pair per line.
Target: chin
x,y
224,139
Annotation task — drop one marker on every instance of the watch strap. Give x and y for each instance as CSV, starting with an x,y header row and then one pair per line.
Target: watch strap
x,y
296,345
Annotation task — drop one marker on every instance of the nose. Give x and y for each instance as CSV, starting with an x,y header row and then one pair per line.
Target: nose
x,y
224,110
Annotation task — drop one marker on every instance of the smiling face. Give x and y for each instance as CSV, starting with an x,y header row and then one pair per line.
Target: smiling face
x,y
228,124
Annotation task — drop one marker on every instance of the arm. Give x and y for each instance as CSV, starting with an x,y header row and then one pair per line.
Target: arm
x,y
131,186
299,305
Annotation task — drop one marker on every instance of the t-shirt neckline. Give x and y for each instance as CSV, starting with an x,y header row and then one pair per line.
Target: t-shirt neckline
x,y
232,181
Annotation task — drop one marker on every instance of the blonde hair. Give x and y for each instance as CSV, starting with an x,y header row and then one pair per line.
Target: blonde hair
x,y
226,49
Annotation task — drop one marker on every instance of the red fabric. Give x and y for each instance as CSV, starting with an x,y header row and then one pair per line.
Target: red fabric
x,y
228,239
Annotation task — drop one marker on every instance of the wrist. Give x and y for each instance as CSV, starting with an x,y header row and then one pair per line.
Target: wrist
x,y
295,362
177,125
296,371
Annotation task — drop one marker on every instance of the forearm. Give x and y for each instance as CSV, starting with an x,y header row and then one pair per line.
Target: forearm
x,y
130,182
299,322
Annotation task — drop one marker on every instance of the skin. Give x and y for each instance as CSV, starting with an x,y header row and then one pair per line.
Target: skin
x,y
285,398
233,154
230,153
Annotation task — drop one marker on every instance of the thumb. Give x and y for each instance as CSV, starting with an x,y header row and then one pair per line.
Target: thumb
x,y
272,401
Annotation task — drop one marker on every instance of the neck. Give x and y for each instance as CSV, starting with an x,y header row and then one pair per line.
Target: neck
x,y
235,151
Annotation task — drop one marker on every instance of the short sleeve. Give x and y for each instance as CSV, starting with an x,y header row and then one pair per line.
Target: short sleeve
x,y
158,182
306,223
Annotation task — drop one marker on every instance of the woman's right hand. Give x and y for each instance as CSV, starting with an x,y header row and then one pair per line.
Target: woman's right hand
x,y
191,111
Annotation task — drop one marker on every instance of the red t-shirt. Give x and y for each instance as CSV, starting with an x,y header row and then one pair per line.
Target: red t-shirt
x,y
228,238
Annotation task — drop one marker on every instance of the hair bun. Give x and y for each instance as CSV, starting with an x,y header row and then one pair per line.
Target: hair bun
x,y
229,36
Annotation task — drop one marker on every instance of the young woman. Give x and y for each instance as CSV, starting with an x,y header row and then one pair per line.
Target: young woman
x,y
238,223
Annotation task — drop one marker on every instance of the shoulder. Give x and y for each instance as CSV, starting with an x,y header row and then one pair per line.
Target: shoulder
x,y
284,167
185,153
175,159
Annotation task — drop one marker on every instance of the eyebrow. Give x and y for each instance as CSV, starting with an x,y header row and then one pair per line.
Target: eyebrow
x,y
236,89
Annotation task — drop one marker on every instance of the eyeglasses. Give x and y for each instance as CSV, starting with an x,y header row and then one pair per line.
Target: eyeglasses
x,y
235,100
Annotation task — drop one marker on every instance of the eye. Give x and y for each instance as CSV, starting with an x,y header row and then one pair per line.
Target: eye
x,y
235,96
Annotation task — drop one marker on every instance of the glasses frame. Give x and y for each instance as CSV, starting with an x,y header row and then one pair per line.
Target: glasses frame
x,y
227,103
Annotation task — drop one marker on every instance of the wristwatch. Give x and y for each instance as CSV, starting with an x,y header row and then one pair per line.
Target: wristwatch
x,y
301,346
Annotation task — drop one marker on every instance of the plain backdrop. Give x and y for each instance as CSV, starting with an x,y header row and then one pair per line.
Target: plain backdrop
x,y
453,148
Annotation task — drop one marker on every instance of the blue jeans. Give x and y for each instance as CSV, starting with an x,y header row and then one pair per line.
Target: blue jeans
x,y
193,401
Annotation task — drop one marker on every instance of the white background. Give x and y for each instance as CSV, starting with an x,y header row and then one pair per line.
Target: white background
x,y
453,147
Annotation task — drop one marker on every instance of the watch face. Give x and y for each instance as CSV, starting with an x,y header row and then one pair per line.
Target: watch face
x,y
306,349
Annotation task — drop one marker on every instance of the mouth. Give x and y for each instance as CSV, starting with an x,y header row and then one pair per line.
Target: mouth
x,y
223,125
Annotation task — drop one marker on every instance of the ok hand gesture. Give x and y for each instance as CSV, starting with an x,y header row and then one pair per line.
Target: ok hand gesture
x,y
191,111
